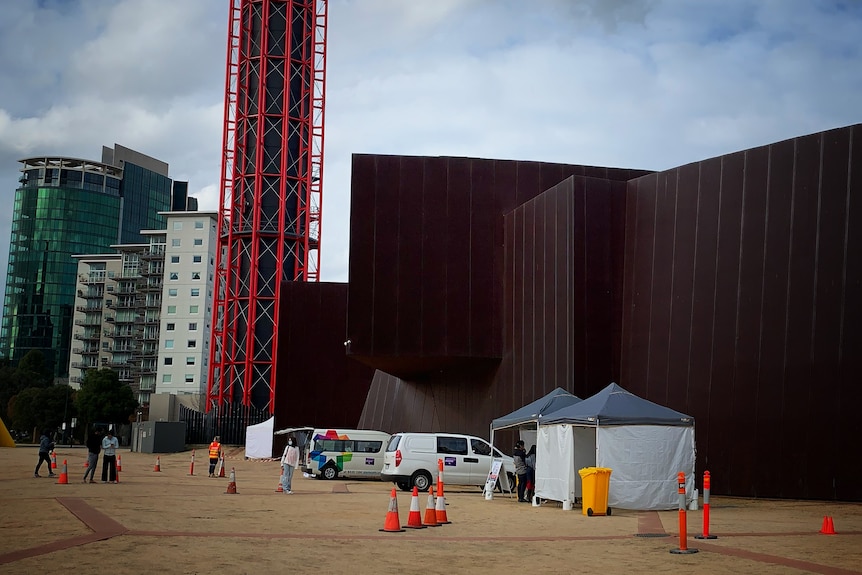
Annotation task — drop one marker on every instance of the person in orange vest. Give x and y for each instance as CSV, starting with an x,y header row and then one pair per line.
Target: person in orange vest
x,y
215,450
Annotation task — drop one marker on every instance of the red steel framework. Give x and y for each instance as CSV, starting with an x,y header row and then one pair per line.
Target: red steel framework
x,y
271,188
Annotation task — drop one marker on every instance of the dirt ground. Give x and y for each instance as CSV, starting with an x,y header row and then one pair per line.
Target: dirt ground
x,y
175,523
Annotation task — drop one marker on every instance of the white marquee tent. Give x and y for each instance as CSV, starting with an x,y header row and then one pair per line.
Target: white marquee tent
x,y
526,418
643,443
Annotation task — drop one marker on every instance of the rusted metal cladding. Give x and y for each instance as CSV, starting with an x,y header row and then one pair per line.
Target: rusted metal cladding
x,y
426,255
562,289
318,384
743,308
427,281
455,399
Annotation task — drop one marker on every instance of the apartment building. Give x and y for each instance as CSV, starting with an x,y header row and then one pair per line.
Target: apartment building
x,y
144,311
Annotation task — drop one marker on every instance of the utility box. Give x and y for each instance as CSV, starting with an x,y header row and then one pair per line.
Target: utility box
x,y
159,436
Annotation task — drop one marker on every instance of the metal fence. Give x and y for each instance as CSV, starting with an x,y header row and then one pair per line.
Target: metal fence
x,y
228,422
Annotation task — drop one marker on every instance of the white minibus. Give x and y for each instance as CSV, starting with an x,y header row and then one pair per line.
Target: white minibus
x,y
345,452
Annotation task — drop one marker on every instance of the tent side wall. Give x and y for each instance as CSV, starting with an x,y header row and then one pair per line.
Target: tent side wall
x,y
645,460
555,463
258,440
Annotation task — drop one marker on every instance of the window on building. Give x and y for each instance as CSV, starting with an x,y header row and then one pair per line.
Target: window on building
x,y
172,292
199,241
199,224
190,361
169,361
169,344
170,326
193,343
193,326
190,378
195,292
175,242
196,259
175,259
172,309
178,226
166,378
174,276
196,275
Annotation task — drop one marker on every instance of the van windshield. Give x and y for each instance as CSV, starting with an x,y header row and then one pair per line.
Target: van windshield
x,y
393,443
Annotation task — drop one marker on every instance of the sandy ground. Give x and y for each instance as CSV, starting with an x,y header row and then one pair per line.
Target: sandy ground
x,y
175,523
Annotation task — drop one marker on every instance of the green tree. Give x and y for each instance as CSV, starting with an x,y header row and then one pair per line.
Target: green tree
x,y
103,398
37,407
30,372
8,388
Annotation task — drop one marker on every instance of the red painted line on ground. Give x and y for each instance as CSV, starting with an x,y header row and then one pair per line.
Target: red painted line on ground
x,y
775,560
649,523
52,547
95,520
782,534
103,528
340,488
329,536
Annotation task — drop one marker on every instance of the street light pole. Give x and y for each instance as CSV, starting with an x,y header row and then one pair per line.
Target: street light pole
x,y
65,410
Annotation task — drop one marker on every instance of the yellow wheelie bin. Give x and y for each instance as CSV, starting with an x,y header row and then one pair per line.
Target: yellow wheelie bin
x,y
595,482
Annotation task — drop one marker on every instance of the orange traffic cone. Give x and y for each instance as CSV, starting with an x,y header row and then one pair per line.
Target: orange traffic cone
x,y
430,511
192,466
414,519
441,510
392,523
231,486
53,460
64,475
158,465
119,463
279,489
828,527
221,465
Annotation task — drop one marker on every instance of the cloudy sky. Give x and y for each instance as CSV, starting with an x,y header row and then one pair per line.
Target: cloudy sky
x,y
630,83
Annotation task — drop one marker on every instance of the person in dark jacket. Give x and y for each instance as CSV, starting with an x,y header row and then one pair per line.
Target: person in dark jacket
x,y
94,446
531,472
46,446
520,457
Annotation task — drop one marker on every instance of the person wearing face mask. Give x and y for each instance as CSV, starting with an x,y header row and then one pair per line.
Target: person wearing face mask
x,y
289,461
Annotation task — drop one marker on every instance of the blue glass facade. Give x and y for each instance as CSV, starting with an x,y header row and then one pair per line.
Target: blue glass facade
x,y
66,207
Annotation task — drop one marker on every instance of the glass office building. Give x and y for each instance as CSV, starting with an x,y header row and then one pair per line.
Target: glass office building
x,y
66,206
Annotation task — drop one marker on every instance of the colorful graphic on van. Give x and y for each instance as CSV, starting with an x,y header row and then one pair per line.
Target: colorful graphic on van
x,y
330,439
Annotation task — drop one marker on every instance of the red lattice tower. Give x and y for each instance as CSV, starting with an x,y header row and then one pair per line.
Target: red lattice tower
x,y
271,182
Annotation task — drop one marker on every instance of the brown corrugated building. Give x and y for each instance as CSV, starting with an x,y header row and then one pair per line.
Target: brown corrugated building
x,y
728,289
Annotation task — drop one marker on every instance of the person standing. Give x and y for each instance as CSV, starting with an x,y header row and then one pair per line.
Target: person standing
x,y
109,459
215,452
531,472
289,461
520,457
46,446
94,446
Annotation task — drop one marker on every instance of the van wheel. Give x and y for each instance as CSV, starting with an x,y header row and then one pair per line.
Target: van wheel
x,y
511,478
421,480
329,472
403,485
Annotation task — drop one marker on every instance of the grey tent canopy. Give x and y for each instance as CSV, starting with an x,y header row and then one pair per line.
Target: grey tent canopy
x,y
615,406
530,413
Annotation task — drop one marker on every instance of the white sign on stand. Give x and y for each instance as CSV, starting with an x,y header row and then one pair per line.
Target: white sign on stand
x,y
493,475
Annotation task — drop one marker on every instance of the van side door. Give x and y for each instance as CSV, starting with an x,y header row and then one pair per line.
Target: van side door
x,y
480,461
453,450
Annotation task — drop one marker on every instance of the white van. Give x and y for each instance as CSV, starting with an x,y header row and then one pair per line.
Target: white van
x,y
411,460
346,452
